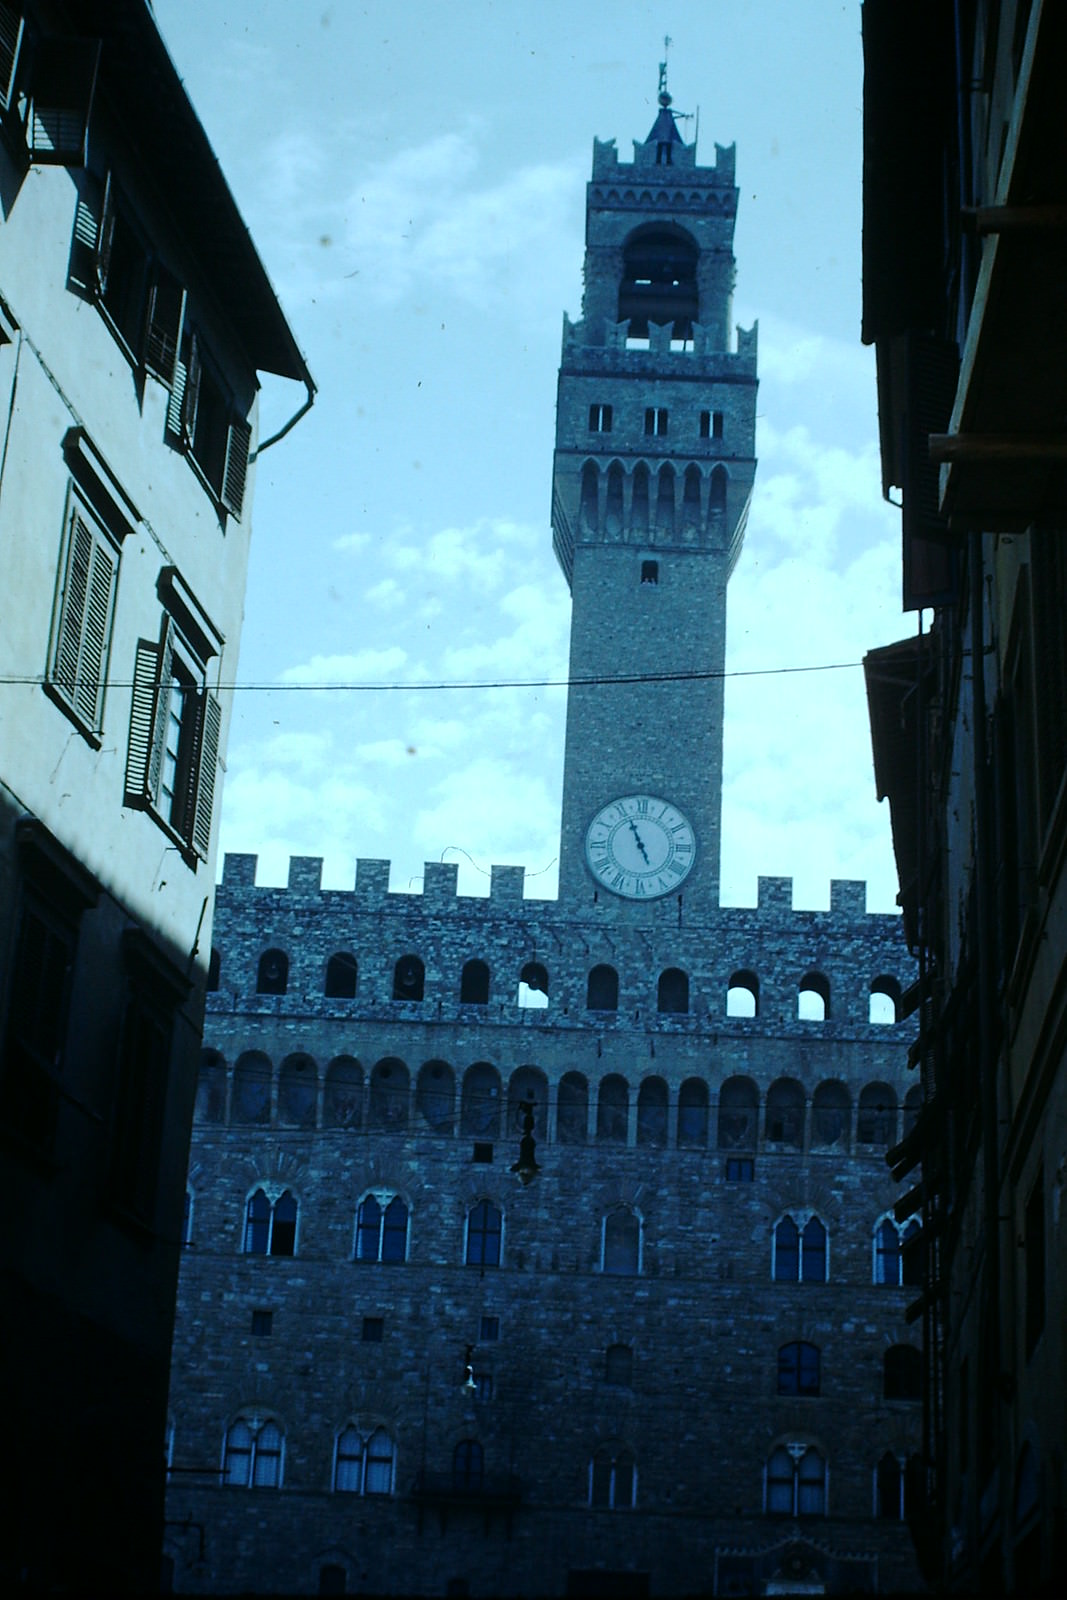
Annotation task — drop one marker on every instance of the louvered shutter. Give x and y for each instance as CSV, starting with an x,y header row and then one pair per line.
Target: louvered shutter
x,y
142,716
84,246
209,721
11,26
89,694
84,620
106,237
72,606
160,705
176,404
235,473
191,397
163,324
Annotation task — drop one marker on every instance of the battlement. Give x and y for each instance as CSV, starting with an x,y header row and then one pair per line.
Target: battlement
x,y
604,350
606,164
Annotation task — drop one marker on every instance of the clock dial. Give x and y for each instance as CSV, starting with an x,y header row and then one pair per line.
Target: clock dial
x,y
640,847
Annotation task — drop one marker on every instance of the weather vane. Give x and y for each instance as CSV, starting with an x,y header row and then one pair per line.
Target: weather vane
x,y
664,97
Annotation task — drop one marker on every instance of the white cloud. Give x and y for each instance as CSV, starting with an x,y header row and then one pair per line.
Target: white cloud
x,y
364,666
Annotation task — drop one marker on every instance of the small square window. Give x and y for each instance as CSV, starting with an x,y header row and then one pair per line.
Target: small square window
x,y
373,1328
711,424
262,1323
740,1169
650,573
483,1152
656,421
490,1330
599,419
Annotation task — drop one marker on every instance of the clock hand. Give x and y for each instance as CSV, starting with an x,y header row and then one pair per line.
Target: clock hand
x,y
640,841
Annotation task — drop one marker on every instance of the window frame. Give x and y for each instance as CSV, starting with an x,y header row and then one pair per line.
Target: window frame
x,y
255,1428
269,1223
83,615
384,1200
601,417
206,424
803,1250
796,1454
483,1232
609,1456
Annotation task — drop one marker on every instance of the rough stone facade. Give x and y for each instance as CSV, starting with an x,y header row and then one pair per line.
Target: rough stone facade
x,y
668,1363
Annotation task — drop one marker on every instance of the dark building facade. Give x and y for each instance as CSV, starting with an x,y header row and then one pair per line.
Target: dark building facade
x,y
964,262
674,1358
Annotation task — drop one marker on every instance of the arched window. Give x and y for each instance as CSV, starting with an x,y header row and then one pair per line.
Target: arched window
x,y
798,1368
913,1104
665,501
572,1109
270,1230
468,1467
528,1083
390,1089
484,1228
382,1228
612,1109
877,1120
619,1366
480,1109
902,1372
533,987
672,992
796,1482
884,1001
785,1114
474,984
742,995
214,972
363,1466
298,1086
342,976
603,991
639,502
590,508
435,1096
211,1088
831,1114
738,1113
897,1252
348,1462
342,1102
380,1464
252,1454
613,504
889,1484
613,1478
409,978
813,998
251,1088
621,1243
693,1114
652,1112
272,974
800,1253
717,494
691,500
659,282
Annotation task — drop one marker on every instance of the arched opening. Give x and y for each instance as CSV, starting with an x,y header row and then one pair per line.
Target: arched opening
x,y
913,1104
251,1089
652,1112
813,998
831,1114
409,978
622,1243
342,1101
785,1114
342,975
612,1109
884,1001
665,503
659,282
877,1120
480,1102
613,513
474,984
272,974
589,514
435,1096
672,992
533,987
693,1114
602,993
717,496
691,502
639,502
211,1088
742,995
528,1083
572,1109
738,1114
298,1085
389,1090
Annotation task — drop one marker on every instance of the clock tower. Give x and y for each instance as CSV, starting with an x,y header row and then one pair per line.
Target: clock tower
x,y
652,475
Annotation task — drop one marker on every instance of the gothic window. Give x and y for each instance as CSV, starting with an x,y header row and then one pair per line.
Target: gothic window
x,y
298,1084
902,1369
480,1107
474,984
884,1001
795,1482
785,1114
409,978
621,1245
652,1112
348,1462
831,1112
572,1109
252,1454
342,1102
272,974
897,1252
889,1481
800,1253
533,986
602,993
742,995
877,1120
672,992
527,1083
270,1230
612,1110
613,1478
798,1368
813,998
619,1366
342,975
599,419
484,1228
468,1466
435,1096
382,1228
251,1088
363,1466
693,1114
389,1091
738,1114
211,1088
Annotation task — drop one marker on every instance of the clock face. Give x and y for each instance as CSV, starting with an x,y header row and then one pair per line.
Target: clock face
x,y
640,847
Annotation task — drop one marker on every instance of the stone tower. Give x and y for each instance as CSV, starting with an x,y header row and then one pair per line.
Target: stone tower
x,y
653,470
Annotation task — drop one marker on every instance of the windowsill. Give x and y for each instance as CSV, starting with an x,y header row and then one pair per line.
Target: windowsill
x,y
182,845
91,737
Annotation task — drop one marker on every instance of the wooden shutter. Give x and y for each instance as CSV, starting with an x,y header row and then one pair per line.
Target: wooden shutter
x,y
160,706
163,324
176,403
191,396
106,236
84,621
11,26
84,246
209,722
235,472
142,718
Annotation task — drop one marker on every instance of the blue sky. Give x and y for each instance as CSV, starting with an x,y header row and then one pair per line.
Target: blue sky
x,y
413,175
